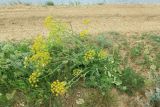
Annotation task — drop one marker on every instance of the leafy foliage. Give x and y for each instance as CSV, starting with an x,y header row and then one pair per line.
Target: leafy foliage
x,y
46,68
155,38
131,81
136,51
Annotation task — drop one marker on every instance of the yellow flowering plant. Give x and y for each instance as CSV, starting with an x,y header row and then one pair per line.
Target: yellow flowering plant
x,y
58,88
48,67
41,59
86,21
84,33
56,29
89,55
33,78
77,72
102,54
41,56
39,44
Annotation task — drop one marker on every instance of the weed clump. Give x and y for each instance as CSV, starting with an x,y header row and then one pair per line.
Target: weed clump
x,y
131,81
47,68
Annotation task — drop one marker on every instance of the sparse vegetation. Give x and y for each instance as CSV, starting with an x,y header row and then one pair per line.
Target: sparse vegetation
x,y
136,51
49,3
43,72
18,2
131,81
99,100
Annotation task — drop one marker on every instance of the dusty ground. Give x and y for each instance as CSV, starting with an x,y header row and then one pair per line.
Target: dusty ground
x,y
17,22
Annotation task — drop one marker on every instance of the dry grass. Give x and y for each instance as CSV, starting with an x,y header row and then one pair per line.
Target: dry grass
x,y
18,22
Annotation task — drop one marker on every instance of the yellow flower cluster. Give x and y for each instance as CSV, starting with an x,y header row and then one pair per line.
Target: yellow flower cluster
x,y
41,56
55,27
84,33
58,88
39,44
89,55
48,22
56,30
41,59
77,72
86,21
33,78
102,54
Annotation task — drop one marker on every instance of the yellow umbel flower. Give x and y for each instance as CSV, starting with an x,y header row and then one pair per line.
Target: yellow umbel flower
x,y
58,88
39,44
41,56
33,78
86,21
55,27
89,55
84,33
102,54
41,59
48,22
77,72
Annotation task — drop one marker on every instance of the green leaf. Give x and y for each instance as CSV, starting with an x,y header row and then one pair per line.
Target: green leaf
x,y
109,74
118,82
21,84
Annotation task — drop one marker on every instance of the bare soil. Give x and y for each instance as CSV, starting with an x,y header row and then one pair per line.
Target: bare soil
x,y
19,22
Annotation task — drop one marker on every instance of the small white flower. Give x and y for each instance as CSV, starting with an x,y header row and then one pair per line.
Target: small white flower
x,y
80,101
22,104
153,67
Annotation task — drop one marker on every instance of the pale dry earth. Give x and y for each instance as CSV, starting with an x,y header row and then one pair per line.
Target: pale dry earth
x,y
18,22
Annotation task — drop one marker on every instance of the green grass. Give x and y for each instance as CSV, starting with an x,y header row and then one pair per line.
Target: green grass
x,y
156,38
131,81
136,50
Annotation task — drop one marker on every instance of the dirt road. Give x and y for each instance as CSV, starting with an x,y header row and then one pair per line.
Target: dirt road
x,y
18,22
